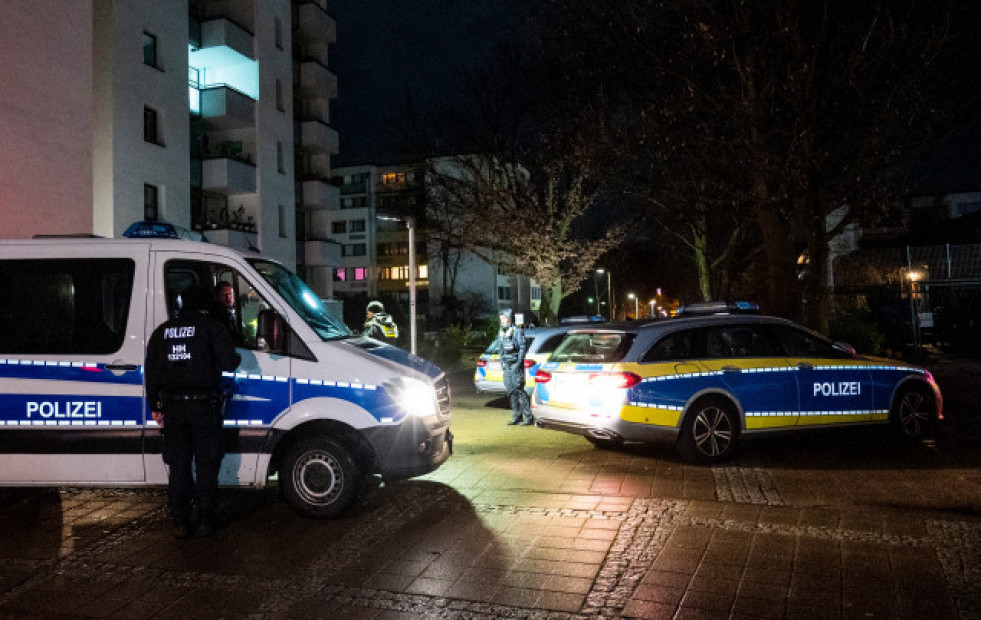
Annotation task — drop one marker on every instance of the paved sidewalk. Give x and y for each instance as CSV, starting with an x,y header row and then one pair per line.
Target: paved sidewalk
x,y
526,523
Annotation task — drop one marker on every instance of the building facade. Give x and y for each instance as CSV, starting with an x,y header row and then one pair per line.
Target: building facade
x,y
209,114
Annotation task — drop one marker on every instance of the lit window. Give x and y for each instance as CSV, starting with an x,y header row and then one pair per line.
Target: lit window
x,y
423,272
151,205
393,178
339,275
360,273
150,50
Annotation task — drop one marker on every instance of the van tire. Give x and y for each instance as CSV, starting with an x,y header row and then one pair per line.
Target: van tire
x,y
709,431
319,478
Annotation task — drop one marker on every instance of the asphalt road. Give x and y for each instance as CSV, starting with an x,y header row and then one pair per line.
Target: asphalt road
x,y
527,523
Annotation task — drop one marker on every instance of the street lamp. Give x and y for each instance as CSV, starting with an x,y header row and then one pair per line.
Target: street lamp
x,y
609,290
410,223
636,305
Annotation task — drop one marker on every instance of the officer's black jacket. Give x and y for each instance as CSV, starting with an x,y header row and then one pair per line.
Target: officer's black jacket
x,y
188,354
511,340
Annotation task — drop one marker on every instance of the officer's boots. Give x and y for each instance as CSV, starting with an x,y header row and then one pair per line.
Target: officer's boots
x,y
182,527
207,524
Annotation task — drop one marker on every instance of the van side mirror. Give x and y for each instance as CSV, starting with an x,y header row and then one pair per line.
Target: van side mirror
x,y
271,332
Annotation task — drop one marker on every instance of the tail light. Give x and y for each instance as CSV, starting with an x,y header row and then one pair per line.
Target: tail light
x,y
529,364
614,380
481,363
542,376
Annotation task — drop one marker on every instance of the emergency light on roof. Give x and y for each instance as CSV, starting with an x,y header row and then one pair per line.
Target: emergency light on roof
x,y
159,229
719,307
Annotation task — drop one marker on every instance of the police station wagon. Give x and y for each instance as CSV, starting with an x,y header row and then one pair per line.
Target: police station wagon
x,y
312,404
488,376
704,383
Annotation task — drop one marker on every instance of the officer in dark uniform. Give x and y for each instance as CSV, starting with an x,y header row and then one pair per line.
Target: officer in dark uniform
x,y
184,362
511,341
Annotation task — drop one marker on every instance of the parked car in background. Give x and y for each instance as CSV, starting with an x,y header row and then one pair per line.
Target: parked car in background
x,y
541,341
704,383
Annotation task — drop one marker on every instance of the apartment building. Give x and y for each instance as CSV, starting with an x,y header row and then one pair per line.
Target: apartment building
x,y
210,114
370,226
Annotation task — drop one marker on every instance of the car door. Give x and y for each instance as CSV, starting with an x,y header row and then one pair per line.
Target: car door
x,y
754,372
71,357
260,386
834,387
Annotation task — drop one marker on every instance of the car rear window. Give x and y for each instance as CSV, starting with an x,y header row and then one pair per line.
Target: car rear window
x,y
593,347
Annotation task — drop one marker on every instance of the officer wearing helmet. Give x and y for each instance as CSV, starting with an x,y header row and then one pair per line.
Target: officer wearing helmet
x,y
184,363
379,324
511,344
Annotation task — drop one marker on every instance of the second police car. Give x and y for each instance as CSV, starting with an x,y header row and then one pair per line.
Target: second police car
x,y
703,383
541,342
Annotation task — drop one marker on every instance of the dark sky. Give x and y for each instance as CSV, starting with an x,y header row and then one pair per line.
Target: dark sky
x,y
390,53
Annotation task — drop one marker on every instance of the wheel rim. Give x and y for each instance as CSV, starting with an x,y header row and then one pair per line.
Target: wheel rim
x,y
914,414
318,477
712,432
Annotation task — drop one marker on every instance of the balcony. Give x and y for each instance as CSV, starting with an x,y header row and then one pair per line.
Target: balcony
x,y
318,137
226,108
318,194
321,253
314,25
315,81
222,32
228,176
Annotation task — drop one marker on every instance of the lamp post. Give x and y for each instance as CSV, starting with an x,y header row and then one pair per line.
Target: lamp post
x,y
636,305
609,290
410,223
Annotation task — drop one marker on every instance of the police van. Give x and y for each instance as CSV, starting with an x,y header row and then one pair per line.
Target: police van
x,y
312,406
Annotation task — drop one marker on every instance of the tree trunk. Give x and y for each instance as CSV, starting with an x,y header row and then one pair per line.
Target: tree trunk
x,y
781,260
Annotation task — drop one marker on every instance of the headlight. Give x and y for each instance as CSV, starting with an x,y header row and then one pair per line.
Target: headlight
x,y
414,397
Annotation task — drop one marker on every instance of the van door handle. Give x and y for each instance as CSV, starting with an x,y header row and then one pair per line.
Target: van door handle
x,y
122,367
805,366
731,369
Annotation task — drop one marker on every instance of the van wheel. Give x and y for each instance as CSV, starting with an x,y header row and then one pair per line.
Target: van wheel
x,y
709,432
319,478
914,413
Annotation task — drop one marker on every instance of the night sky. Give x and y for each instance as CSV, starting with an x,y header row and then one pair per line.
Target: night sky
x,y
389,54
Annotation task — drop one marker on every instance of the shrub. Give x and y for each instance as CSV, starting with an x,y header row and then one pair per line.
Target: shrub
x,y
860,330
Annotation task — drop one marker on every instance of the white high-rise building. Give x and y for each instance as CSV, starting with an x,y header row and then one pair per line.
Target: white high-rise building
x,y
210,114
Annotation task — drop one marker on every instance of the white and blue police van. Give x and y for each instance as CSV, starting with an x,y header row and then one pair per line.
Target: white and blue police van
x,y
312,406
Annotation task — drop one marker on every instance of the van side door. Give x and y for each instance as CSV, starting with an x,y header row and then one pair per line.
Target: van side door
x,y
259,388
71,355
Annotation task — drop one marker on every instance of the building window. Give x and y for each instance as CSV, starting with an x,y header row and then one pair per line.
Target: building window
x,y
150,50
280,105
393,178
283,232
504,293
357,226
423,272
279,157
354,249
151,204
278,33
360,273
339,274
536,292
338,228
151,126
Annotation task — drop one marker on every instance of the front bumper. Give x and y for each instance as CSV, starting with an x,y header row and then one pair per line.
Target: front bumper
x,y
414,448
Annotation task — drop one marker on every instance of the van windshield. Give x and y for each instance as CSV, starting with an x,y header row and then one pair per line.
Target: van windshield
x,y
303,300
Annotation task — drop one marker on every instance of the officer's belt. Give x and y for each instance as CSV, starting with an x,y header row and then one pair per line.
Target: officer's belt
x,y
191,396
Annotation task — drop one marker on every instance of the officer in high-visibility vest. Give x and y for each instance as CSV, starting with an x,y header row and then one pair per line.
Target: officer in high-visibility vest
x,y
511,341
379,324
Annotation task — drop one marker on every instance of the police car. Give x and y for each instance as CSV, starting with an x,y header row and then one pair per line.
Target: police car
x,y
704,383
540,342
312,405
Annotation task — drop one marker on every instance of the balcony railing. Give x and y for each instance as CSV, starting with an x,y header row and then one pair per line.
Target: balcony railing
x,y
224,108
314,80
225,175
223,32
318,137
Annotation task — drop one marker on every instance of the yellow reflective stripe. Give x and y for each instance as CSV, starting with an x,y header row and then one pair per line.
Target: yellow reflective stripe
x,y
651,415
832,418
774,421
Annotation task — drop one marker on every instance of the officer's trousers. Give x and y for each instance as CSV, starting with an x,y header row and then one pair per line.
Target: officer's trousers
x,y
514,383
192,433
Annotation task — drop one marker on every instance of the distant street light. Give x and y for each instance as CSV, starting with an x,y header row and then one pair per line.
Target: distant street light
x,y
410,223
636,306
609,290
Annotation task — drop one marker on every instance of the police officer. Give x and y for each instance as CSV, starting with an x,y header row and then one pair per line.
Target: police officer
x,y
379,324
184,362
511,344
